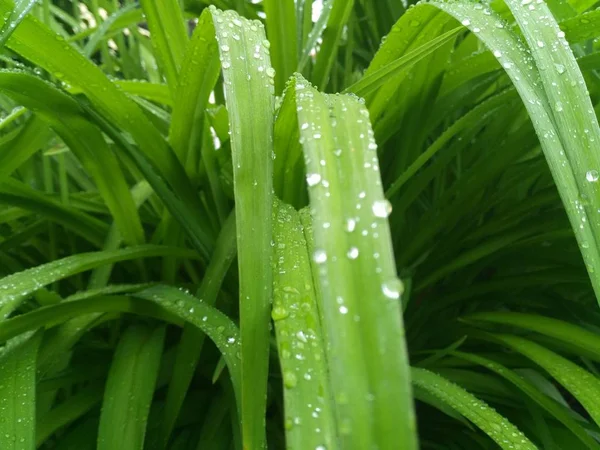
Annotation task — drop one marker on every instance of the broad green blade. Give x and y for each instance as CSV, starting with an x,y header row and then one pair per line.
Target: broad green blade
x,y
168,35
552,88
248,85
584,386
15,288
199,74
353,261
375,79
161,302
130,388
552,407
331,40
300,343
586,341
17,395
505,434
33,135
281,21
12,21
576,123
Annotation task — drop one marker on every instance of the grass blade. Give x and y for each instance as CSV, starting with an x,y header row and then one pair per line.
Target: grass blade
x,y
199,74
12,21
168,34
585,341
505,434
332,36
552,407
17,287
130,388
584,386
281,18
576,123
297,324
248,83
353,261
559,123
17,396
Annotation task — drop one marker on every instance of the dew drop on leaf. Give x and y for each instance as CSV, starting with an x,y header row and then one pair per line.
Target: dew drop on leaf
x,y
313,179
393,288
319,256
381,208
592,176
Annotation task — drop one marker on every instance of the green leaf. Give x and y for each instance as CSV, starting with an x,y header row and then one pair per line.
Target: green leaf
x,y
15,288
375,79
300,342
130,388
168,35
12,21
551,406
505,434
353,261
248,84
553,91
281,20
586,341
17,392
332,36
584,386
199,74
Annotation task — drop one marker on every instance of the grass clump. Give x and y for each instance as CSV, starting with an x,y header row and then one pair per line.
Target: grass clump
x,y
382,215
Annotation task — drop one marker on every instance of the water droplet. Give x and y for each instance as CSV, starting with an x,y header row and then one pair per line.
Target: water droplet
x,y
559,68
540,44
353,253
225,47
466,22
558,107
313,179
381,208
270,72
392,288
592,176
350,225
320,256
279,313
343,310
497,53
289,379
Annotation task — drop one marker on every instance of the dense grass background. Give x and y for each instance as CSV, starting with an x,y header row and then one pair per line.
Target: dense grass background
x,y
385,218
